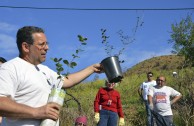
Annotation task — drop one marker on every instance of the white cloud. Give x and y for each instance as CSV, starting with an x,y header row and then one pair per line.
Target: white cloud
x,y
149,54
8,44
5,27
7,41
139,56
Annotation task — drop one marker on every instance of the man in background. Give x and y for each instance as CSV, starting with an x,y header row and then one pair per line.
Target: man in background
x,y
159,100
143,92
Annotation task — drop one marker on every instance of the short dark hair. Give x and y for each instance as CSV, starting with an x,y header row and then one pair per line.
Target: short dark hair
x,y
161,76
150,73
3,60
24,34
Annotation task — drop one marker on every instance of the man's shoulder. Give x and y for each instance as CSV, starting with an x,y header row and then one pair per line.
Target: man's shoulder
x,y
13,63
145,82
149,82
42,66
153,87
167,88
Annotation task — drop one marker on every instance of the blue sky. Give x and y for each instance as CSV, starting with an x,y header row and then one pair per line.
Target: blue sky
x,y
63,26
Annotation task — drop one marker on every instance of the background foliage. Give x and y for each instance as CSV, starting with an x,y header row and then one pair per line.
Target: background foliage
x,y
133,107
79,99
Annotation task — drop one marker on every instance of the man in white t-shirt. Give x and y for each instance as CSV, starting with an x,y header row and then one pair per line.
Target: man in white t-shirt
x,y
143,92
2,60
25,83
159,99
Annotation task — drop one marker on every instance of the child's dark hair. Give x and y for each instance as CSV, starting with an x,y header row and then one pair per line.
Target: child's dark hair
x,y
3,60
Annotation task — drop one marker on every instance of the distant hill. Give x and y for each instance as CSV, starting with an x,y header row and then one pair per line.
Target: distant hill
x,y
167,62
84,94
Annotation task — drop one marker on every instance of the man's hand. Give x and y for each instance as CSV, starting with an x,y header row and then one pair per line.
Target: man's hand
x,y
151,106
98,68
96,117
48,111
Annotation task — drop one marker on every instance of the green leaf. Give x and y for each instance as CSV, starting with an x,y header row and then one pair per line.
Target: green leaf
x,y
66,62
61,69
85,39
59,65
55,60
73,64
80,38
60,59
84,43
59,77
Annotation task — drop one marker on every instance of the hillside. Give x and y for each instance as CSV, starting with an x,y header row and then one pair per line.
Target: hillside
x,y
168,62
83,94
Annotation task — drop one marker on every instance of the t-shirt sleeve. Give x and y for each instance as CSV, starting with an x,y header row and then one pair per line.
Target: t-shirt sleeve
x,y
174,92
8,82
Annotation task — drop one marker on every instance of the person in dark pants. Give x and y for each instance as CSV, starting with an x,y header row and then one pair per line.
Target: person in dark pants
x,y
143,92
160,101
107,106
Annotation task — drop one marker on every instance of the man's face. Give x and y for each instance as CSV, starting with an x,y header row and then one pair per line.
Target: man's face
x,y
160,81
39,48
149,76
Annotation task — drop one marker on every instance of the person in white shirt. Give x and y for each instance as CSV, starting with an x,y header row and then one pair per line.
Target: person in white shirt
x,y
2,60
143,92
159,99
174,74
26,84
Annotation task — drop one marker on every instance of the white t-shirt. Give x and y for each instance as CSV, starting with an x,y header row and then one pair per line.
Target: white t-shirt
x,y
26,84
145,86
161,99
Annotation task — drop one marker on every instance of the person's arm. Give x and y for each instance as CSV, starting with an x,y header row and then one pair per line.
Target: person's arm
x,y
96,107
176,96
175,99
9,108
0,119
96,102
140,90
120,111
150,101
119,106
150,98
75,78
